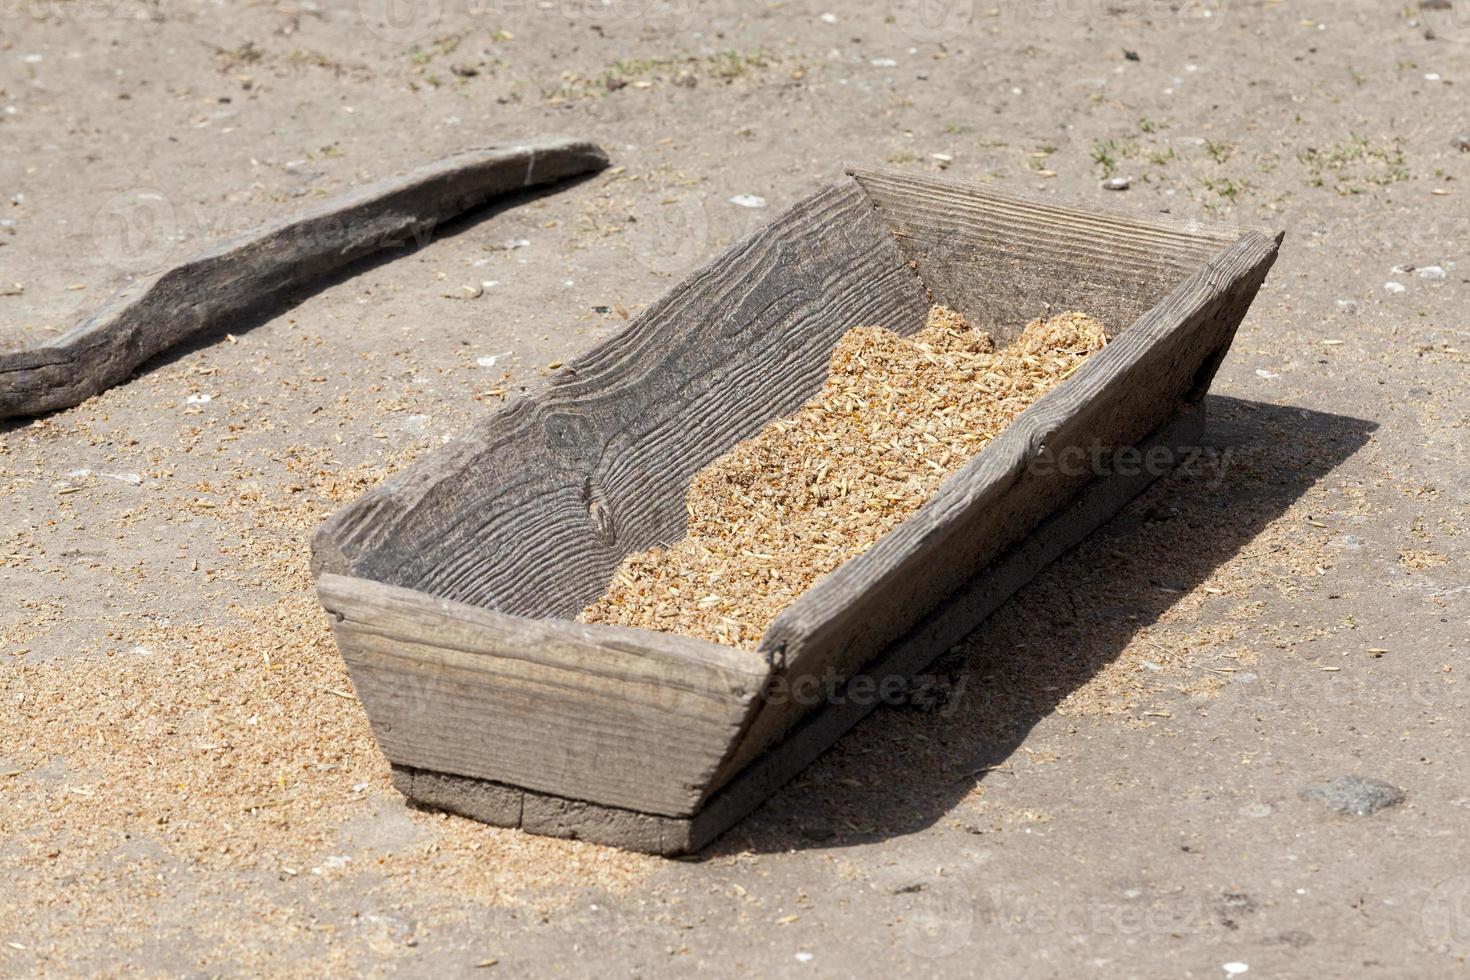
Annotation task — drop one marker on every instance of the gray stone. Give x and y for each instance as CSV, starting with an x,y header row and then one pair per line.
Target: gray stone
x,y
1356,795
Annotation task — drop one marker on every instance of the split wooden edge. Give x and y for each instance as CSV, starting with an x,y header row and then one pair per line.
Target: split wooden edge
x,y
247,273
1158,230
551,815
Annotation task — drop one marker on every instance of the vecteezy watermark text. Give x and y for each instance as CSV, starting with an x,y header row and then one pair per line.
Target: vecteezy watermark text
x,y
1206,463
938,691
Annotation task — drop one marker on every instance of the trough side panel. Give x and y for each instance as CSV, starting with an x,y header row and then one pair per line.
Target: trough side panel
x,y
514,806
1003,259
532,510
947,625
1038,463
552,816
623,717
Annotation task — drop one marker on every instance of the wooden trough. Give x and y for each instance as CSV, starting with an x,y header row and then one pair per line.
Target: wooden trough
x,y
453,587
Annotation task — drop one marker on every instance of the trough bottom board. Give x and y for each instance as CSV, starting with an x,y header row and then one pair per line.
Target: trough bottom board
x,y
557,816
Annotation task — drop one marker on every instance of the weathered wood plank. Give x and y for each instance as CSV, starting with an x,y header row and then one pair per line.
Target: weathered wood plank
x,y
549,815
1004,258
250,271
532,510
521,523
1163,361
951,622
627,717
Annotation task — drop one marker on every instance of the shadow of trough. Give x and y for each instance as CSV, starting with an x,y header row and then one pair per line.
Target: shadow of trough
x,y
906,767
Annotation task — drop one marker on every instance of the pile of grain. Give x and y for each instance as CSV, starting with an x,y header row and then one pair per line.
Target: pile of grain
x,y
896,416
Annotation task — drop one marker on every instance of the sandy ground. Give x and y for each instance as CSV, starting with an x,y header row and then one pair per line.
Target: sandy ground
x,y
187,785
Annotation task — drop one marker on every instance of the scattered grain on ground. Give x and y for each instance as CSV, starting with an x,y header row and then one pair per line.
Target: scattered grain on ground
x,y
235,746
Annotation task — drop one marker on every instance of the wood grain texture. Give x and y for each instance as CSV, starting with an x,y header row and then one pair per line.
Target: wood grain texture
x,y
1003,258
474,559
1164,360
249,272
531,511
550,815
510,806
626,717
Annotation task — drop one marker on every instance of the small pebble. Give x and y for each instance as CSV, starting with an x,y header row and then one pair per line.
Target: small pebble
x,y
1117,184
1461,143
828,18
748,201
1236,969
884,63
1430,272
1395,287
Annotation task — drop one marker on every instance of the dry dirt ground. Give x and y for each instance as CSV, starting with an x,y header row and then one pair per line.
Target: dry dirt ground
x,y
188,787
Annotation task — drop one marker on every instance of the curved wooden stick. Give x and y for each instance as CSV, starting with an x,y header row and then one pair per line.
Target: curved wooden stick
x,y
249,272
